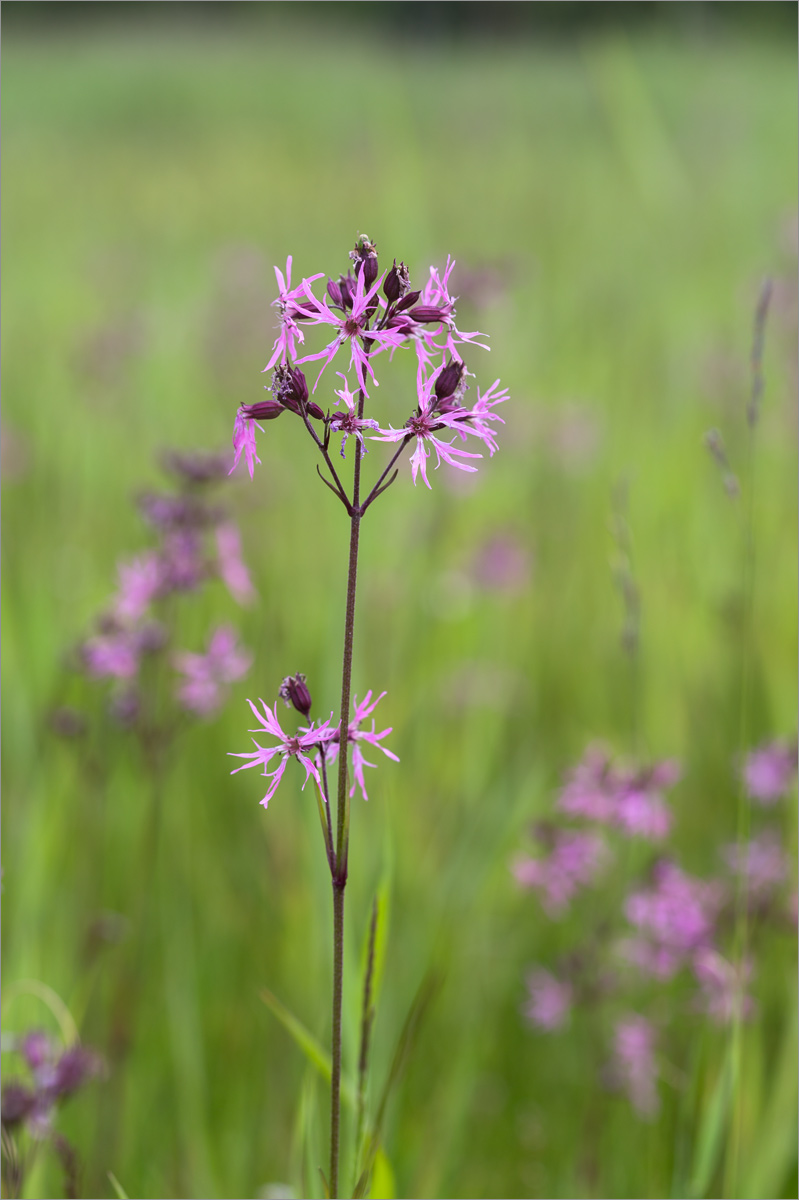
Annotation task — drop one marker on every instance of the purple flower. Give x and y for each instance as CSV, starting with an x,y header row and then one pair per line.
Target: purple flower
x,y
574,862
769,771
675,918
348,423
549,1000
723,986
203,689
55,1075
284,347
589,790
139,583
423,425
296,746
114,653
762,863
230,564
244,441
634,1063
629,800
356,735
435,295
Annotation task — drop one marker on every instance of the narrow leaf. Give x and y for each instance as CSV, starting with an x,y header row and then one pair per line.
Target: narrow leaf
x,y
309,1045
117,1186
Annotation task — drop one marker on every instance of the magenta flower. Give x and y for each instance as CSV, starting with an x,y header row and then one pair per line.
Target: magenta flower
x,y
230,564
769,771
244,441
297,746
287,304
204,688
352,327
115,654
675,918
634,1063
474,420
348,423
574,862
589,790
356,735
139,582
762,863
723,986
549,1000
423,425
435,295
629,800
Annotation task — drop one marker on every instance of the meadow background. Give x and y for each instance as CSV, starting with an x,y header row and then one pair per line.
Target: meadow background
x,y
614,192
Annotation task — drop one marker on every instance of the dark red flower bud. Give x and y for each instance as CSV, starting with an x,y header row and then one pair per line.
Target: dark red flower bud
x,y
289,388
17,1103
334,292
427,313
365,258
294,691
447,382
73,1068
346,285
266,410
314,411
407,301
397,282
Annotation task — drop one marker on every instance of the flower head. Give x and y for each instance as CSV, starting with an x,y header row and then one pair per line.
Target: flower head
x,y
769,771
244,441
674,918
634,1062
357,736
549,1000
574,862
298,746
347,421
206,675
289,305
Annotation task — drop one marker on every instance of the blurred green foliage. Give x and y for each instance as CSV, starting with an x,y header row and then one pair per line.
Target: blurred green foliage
x,y
613,204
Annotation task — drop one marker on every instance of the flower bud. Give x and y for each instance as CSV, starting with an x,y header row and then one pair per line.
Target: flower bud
x,y
289,387
313,410
365,256
397,282
266,410
407,301
428,313
447,382
334,292
294,691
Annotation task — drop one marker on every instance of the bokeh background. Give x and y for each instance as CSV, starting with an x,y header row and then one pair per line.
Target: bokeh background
x,y
614,181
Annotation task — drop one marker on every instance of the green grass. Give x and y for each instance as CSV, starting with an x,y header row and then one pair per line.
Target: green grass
x,y
631,195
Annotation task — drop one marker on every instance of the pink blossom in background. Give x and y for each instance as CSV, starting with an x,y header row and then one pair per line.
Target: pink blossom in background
x,y
762,863
139,581
769,771
502,564
549,1000
634,1063
574,862
298,746
589,790
204,688
184,564
113,654
289,304
244,441
231,566
723,986
674,918
356,736
632,801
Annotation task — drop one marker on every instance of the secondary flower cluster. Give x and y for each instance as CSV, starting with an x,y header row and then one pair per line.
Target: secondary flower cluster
x,y
196,542
670,926
314,746
369,314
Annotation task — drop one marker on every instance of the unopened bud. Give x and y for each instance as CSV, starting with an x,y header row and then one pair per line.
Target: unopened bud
x,y
334,292
313,410
397,282
428,313
365,256
447,382
266,410
407,301
294,691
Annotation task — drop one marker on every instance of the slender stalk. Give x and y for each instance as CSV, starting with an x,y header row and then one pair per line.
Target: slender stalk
x,y
342,820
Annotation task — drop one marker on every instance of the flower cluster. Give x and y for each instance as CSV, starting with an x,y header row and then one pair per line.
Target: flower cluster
x,y
369,314
670,925
195,541
314,746
54,1074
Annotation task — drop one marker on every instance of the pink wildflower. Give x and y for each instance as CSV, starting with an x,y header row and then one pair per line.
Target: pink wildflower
x,y
352,327
349,423
423,425
762,863
139,582
574,862
356,735
297,746
115,653
244,441
203,689
634,1063
723,985
630,800
549,1000
435,295
769,771
284,347
675,918
230,564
